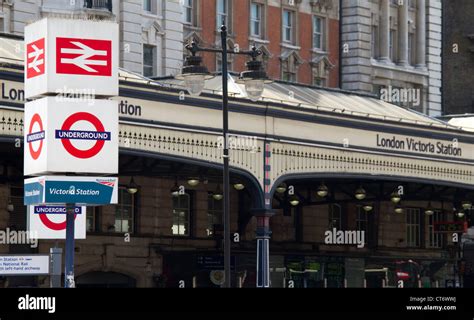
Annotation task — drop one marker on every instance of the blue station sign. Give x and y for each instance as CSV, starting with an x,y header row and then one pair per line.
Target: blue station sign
x,y
83,191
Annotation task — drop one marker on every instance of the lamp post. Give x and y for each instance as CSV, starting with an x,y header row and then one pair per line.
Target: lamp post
x,y
194,76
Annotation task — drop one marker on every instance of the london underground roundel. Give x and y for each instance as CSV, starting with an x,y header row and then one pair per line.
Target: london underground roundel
x,y
67,135
35,136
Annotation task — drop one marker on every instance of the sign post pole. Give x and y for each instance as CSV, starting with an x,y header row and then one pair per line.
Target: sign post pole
x,y
69,263
55,273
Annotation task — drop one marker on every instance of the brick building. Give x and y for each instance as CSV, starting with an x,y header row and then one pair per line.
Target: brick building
x,y
300,39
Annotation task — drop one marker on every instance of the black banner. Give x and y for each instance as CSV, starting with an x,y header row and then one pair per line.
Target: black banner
x,y
126,303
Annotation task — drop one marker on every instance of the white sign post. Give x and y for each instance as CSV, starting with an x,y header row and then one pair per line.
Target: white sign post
x,y
77,129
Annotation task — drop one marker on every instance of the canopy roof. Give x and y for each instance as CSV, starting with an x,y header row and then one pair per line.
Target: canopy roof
x,y
306,97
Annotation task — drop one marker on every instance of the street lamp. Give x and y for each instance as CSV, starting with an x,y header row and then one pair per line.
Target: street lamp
x,y
194,75
132,187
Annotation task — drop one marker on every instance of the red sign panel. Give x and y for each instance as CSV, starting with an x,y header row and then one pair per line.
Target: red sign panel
x,y
84,57
35,62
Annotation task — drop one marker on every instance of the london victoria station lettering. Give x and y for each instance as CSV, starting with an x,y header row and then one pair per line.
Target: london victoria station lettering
x,y
413,145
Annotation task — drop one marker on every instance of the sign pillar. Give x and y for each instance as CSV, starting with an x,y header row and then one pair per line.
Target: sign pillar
x,y
69,262
55,273
64,134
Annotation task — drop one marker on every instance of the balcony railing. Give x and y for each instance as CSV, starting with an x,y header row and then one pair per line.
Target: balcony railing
x,y
98,4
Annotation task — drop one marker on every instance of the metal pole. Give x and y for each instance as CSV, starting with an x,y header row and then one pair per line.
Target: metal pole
x,y
69,263
227,282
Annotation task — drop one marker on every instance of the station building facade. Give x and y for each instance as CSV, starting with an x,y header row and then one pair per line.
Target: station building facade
x,y
286,151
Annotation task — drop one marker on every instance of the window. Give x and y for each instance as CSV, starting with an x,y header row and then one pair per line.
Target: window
x,y
411,39
436,239
320,71
2,26
149,60
214,214
321,82
188,11
413,227
181,215
219,64
318,35
147,5
92,224
289,76
222,13
362,222
392,45
124,212
290,68
335,216
288,24
375,42
256,20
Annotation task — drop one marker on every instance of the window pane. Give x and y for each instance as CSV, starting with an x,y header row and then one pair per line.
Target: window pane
x,y
287,25
148,60
124,212
214,214
147,5
90,219
255,18
221,13
317,41
181,215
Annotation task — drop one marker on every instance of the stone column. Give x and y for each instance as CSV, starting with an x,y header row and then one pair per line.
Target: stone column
x,y
263,244
385,31
403,33
421,35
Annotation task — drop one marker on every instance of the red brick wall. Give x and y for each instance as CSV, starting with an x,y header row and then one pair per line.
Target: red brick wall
x,y
273,29
208,33
305,37
333,48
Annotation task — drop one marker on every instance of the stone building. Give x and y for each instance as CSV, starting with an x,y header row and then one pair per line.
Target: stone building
x,y
458,57
151,32
392,44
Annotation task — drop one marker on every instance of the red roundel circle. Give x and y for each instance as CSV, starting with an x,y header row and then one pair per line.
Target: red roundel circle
x,y
96,148
56,226
35,153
